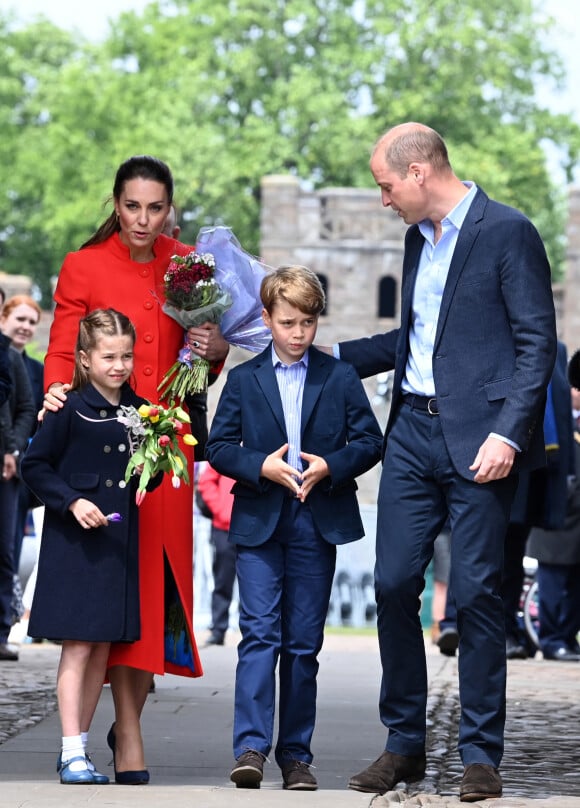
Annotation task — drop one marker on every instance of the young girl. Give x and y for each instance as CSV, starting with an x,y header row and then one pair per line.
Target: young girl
x,y
87,591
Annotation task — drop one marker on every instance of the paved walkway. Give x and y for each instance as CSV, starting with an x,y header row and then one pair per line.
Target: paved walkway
x,y
188,725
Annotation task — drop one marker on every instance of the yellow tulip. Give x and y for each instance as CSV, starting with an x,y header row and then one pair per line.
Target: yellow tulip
x,y
189,439
182,415
144,410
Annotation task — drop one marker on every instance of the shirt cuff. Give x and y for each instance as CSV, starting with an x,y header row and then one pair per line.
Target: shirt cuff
x,y
505,440
336,350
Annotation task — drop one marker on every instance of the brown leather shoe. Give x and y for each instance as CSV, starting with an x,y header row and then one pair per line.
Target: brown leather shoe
x,y
388,770
480,782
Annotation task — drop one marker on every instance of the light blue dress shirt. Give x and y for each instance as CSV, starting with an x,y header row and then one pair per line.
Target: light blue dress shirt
x,y
291,380
431,278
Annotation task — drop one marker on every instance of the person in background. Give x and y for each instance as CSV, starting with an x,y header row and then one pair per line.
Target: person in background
x,y
294,428
87,587
441,563
540,500
472,359
215,491
119,266
17,416
5,378
558,551
18,321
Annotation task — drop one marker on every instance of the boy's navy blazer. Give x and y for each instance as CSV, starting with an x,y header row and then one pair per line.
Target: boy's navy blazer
x,y
495,343
337,424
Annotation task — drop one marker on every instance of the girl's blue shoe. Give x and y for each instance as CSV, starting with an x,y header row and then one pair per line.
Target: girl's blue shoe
x,y
98,778
89,776
82,777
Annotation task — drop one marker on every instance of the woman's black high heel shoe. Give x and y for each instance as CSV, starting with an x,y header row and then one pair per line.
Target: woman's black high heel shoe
x,y
135,778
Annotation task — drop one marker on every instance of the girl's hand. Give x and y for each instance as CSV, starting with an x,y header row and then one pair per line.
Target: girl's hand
x,y
87,514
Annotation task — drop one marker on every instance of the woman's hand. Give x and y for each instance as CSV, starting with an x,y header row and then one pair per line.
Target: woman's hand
x,y
54,398
207,341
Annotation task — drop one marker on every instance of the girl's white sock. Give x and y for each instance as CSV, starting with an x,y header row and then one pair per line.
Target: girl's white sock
x,y
72,747
85,740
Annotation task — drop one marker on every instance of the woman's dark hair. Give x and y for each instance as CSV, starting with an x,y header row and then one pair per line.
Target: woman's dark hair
x,y
98,323
141,167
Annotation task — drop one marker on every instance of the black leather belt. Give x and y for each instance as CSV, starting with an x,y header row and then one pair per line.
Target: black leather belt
x,y
423,403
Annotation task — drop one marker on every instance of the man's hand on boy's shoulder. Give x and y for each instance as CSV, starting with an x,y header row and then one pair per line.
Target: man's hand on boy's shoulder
x,y
276,469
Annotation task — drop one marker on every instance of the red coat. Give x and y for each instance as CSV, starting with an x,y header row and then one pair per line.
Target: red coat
x,y
104,276
216,491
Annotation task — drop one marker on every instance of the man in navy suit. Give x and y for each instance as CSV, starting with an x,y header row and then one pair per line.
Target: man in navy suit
x,y
472,360
293,427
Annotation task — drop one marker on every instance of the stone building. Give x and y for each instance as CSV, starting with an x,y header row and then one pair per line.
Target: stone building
x,y
570,310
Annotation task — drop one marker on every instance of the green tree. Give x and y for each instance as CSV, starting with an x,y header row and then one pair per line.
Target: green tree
x,y
30,58
229,91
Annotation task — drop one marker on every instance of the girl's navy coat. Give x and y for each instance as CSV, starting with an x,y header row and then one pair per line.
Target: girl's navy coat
x,y
88,580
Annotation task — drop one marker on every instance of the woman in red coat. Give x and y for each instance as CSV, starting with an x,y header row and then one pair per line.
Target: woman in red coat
x,y
122,266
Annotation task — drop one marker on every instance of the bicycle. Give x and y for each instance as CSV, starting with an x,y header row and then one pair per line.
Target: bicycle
x,y
529,613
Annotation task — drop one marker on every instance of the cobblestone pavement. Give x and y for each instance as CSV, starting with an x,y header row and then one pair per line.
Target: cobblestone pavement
x,y
542,741
27,691
542,751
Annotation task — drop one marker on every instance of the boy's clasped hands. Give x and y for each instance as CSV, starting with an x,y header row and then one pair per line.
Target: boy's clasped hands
x,y
275,468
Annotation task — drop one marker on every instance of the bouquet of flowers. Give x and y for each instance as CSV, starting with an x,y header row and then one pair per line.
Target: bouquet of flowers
x,y
218,283
192,297
153,444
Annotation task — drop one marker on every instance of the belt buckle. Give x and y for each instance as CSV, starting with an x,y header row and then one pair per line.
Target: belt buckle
x,y
430,403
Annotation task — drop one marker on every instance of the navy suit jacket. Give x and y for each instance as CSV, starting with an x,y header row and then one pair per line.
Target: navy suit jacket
x,y
337,424
495,343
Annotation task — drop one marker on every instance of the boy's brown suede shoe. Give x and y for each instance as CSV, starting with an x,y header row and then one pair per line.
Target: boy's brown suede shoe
x,y
249,769
388,770
480,782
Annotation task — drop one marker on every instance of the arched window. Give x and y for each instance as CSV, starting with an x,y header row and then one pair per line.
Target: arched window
x,y
387,297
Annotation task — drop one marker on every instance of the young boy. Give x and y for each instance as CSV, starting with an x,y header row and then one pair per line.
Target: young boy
x,y
294,428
